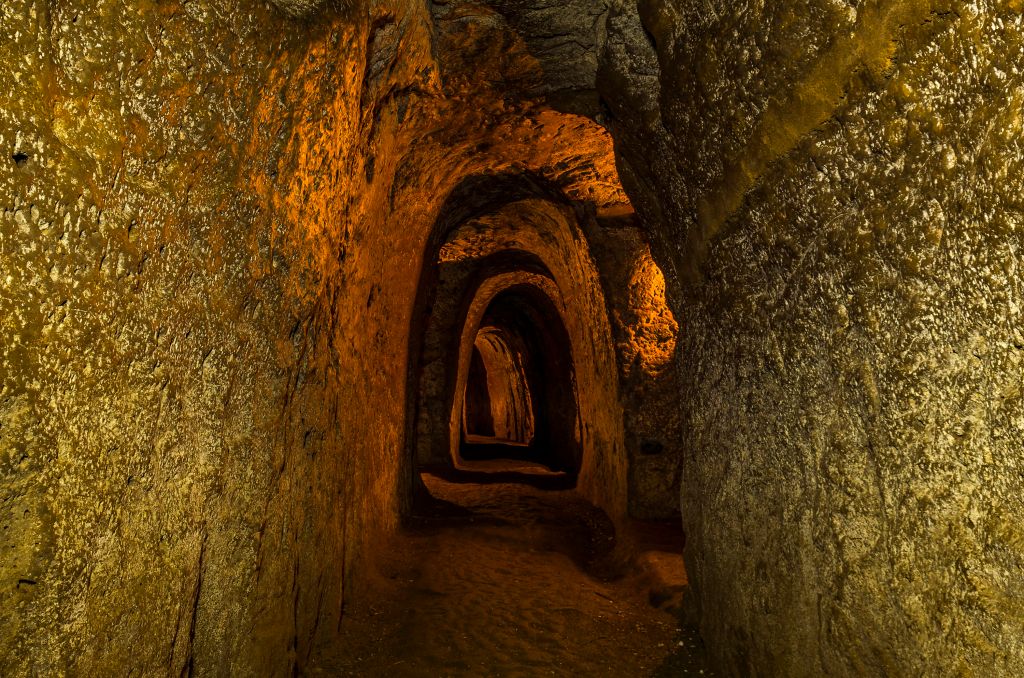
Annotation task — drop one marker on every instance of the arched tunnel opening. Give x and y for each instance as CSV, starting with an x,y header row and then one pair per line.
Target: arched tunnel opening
x,y
497,405
529,385
511,337
521,351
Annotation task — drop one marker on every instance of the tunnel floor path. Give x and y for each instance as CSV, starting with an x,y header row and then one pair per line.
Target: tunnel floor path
x,y
507,579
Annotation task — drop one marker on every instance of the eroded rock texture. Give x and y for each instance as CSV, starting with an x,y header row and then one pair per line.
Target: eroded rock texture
x,y
173,255
837,187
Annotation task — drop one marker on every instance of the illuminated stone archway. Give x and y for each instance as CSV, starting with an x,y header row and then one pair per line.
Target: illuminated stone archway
x,y
522,226
529,307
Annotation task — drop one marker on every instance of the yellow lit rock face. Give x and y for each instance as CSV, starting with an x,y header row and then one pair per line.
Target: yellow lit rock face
x,y
652,336
838,185
164,436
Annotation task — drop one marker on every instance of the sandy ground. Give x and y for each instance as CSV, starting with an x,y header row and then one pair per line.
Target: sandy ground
x,y
505,579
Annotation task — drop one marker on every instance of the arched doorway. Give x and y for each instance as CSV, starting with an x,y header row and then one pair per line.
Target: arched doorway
x,y
498,406
532,381
494,234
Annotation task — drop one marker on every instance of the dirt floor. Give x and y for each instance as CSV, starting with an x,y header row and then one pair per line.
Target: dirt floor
x,y
506,579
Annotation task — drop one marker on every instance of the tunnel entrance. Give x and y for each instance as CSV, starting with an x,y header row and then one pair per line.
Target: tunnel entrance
x,y
508,343
519,395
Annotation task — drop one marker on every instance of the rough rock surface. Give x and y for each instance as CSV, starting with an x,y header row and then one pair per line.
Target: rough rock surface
x,y
222,225
837,187
168,406
649,361
565,37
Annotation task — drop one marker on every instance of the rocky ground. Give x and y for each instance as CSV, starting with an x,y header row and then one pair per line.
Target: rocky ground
x,y
507,579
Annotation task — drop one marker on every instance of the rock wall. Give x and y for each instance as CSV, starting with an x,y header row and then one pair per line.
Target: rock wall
x,y
178,196
836,187
650,365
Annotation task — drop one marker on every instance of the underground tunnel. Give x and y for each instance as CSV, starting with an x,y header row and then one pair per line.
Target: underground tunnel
x,y
511,337
519,386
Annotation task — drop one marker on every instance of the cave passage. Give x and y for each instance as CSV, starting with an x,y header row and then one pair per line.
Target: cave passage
x,y
534,508
511,338
522,396
505,565
498,406
341,352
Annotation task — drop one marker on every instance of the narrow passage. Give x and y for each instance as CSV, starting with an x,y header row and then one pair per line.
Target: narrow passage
x,y
498,578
